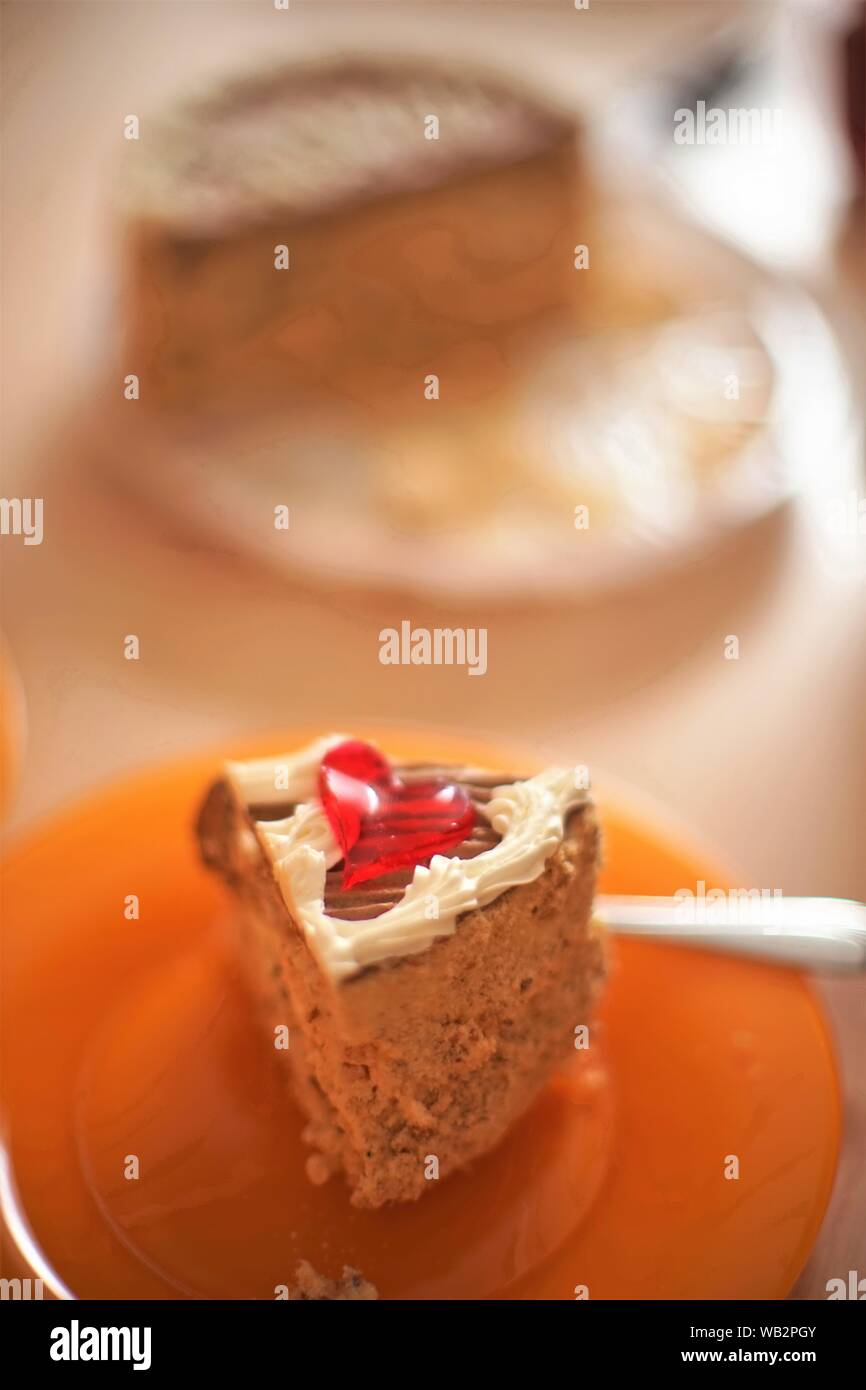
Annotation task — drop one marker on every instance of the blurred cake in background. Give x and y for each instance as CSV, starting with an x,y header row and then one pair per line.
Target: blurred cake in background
x,y
399,297
427,216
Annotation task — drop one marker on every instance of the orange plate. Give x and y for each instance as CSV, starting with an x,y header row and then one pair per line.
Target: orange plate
x,y
133,1039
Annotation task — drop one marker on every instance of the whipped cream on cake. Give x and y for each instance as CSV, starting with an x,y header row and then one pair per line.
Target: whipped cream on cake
x,y
528,816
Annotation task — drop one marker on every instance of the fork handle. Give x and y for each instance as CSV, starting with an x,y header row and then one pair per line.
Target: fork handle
x,y
822,934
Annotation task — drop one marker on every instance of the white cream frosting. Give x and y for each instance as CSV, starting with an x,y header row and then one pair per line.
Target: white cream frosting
x,y
529,816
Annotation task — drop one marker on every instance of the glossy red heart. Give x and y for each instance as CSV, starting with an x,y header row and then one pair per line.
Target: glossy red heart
x,y
382,823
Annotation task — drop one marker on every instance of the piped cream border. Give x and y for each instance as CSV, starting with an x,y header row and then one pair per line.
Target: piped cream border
x,y
530,817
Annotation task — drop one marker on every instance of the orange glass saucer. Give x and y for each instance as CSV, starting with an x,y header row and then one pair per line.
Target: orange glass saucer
x,y
154,1154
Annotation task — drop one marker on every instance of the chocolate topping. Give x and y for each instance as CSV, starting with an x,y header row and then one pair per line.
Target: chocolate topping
x,y
371,899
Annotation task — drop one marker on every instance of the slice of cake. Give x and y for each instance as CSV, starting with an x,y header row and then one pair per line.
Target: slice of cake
x,y
326,236
424,934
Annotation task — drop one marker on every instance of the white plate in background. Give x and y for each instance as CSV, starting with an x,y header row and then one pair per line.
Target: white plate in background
x,y
635,371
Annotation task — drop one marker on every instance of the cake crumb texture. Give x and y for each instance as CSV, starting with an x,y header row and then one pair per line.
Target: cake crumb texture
x,y
312,1287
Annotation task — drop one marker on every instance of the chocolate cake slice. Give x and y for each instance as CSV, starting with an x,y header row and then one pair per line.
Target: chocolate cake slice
x,y
427,1005
324,235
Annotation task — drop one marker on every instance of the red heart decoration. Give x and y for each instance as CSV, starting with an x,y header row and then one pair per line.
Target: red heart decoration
x,y
382,823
